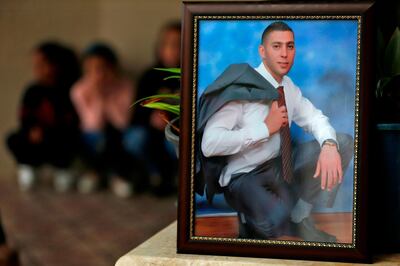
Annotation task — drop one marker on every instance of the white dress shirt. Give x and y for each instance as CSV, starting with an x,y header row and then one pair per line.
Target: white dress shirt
x,y
238,129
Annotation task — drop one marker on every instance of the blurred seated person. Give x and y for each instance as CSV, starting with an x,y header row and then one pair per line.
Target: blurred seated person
x,y
48,124
162,164
102,98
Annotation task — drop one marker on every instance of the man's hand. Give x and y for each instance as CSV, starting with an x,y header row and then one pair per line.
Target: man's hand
x,y
276,118
329,167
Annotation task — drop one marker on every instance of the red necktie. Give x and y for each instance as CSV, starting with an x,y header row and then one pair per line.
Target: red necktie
x,y
286,148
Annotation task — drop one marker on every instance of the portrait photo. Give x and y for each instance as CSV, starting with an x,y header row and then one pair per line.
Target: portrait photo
x,y
321,89
273,140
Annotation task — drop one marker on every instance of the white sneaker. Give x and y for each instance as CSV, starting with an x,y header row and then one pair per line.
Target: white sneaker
x,y
121,187
26,177
88,183
63,180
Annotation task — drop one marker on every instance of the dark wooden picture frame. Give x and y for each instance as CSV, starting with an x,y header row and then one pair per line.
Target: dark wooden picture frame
x,y
187,242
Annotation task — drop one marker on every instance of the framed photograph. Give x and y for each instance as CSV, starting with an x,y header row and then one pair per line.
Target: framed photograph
x,y
274,129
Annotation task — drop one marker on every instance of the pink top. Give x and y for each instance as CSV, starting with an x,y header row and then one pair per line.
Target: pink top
x,y
96,106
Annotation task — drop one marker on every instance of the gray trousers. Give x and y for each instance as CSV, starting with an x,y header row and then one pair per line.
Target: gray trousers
x,y
266,200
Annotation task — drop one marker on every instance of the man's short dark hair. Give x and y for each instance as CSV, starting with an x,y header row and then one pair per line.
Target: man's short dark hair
x,y
275,26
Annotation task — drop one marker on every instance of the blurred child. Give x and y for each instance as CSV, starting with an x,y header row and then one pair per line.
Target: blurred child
x,y
163,162
47,131
102,98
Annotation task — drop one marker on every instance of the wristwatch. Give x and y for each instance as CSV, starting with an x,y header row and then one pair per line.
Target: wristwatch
x,y
330,142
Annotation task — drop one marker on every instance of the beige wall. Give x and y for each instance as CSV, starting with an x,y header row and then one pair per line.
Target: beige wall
x,y
131,26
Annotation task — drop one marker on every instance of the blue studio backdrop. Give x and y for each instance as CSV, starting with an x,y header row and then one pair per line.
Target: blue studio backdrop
x,y
324,69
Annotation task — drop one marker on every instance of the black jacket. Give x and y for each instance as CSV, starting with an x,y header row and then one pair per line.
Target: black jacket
x,y
237,82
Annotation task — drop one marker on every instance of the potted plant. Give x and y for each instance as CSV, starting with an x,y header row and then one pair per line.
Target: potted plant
x,y
168,103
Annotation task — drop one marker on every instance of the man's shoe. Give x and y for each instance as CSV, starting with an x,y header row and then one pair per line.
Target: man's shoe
x,y
306,229
245,231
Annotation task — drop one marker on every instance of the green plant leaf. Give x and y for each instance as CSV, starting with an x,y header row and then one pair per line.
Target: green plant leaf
x,y
155,101
171,70
392,55
173,108
158,97
172,77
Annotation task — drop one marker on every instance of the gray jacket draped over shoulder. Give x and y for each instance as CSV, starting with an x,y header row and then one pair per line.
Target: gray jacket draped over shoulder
x,y
237,82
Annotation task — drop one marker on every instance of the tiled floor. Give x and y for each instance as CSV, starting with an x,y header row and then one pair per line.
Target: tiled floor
x,y
73,229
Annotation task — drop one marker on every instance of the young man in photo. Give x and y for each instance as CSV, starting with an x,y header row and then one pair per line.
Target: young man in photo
x,y
244,119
